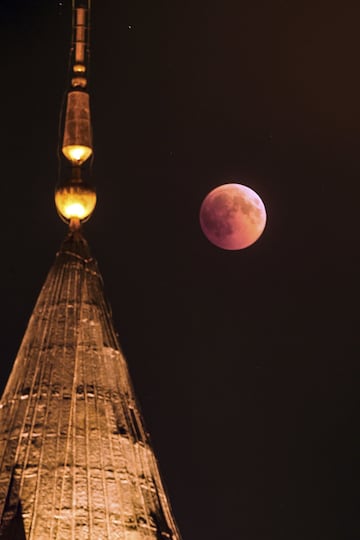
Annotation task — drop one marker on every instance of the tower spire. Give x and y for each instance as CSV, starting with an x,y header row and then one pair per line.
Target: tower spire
x,y
75,199
76,462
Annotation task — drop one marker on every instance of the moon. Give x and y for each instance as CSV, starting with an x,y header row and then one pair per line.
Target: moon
x,y
232,216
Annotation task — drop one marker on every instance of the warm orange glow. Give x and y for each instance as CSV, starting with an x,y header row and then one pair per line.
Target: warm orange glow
x,y
75,201
78,82
77,153
79,68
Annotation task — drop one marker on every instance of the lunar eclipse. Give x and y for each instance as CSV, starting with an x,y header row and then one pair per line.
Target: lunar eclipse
x,y
232,216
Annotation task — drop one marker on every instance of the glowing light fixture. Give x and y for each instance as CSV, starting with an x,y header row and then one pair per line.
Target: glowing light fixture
x,y
77,153
79,68
75,201
77,142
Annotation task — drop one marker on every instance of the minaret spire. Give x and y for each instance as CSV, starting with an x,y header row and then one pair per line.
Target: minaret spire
x,y
76,462
75,199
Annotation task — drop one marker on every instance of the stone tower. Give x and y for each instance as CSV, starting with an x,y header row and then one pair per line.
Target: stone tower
x,y
76,462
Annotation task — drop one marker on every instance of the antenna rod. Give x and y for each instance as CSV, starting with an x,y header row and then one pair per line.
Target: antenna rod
x,y
80,46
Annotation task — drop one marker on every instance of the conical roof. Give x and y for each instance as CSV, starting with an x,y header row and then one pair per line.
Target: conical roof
x,y
75,460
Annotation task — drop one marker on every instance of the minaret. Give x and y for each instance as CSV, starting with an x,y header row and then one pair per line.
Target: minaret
x,y
76,462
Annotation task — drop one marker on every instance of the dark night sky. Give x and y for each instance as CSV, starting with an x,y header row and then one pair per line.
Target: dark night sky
x,y
246,363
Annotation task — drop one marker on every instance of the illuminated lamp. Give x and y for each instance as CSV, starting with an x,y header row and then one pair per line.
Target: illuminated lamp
x,y
77,142
75,200
79,68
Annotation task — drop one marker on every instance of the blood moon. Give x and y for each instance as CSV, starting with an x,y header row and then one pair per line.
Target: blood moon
x,y
232,216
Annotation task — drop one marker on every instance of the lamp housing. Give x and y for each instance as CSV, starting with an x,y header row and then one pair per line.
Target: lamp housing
x,y
75,199
77,144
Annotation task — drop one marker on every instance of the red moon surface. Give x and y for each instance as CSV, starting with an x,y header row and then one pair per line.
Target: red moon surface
x,y
232,216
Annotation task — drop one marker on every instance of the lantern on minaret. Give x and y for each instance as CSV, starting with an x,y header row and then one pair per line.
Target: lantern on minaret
x,y
75,197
